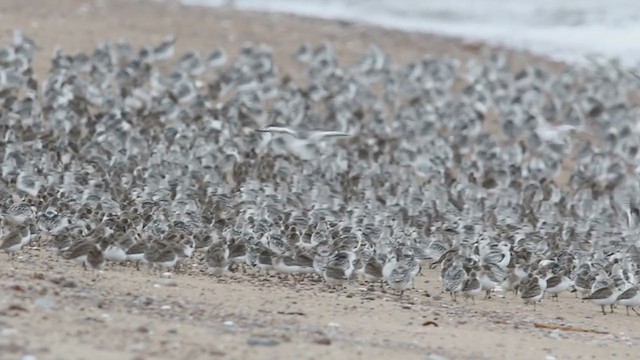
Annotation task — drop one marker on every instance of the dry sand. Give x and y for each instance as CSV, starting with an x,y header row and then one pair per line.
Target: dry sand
x,y
55,310
52,309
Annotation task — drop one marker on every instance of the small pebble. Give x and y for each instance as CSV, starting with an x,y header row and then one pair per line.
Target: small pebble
x,y
8,332
262,341
322,340
436,357
37,276
68,284
138,347
142,329
170,283
555,335
44,303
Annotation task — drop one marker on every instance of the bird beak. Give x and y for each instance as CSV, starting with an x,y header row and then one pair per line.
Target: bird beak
x,y
261,130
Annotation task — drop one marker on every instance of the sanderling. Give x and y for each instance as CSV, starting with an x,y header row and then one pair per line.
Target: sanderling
x,y
80,250
29,183
217,258
135,253
630,298
604,296
237,252
532,290
372,270
20,212
300,142
16,239
399,274
310,135
95,258
217,58
471,286
490,275
303,54
557,284
265,259
52,222
500,256
339,268
454,277
161,255
166,49
300,263
321,258
114,247
583,282
512,281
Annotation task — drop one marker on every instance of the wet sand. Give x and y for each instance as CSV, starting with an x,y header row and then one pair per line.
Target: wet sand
x,y
53,309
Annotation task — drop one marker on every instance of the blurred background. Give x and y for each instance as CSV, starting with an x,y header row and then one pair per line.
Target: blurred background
x,y
574,31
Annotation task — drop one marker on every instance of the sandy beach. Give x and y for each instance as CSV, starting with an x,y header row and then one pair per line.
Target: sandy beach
x,y
53,309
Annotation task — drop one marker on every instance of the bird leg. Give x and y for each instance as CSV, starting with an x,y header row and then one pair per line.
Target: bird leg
x,y
634,310
603,312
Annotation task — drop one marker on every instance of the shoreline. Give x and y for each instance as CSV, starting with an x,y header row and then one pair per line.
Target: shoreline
x,y
201,28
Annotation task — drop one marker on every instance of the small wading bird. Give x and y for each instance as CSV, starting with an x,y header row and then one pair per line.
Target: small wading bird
x,y
302,143
310,135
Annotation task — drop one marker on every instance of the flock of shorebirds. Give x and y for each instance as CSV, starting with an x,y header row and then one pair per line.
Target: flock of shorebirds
x,y
521,179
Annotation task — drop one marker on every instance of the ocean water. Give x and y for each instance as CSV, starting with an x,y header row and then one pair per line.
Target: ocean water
x,y
573,31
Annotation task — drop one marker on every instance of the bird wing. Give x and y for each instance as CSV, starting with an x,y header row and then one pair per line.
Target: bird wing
x,y
602,293
531,290
628,294
278,130
320,134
